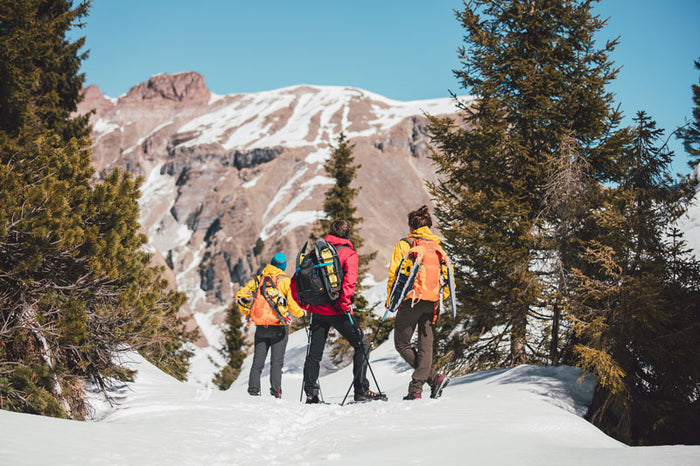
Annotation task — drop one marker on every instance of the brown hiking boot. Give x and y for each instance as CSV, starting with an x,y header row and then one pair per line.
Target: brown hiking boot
x,y
368,395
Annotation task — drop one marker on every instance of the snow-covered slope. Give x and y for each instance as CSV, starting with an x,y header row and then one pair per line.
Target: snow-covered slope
x,y
521,416
301,116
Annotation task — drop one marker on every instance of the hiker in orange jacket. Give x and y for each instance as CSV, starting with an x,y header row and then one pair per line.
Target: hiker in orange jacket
x,y
271,333
418,314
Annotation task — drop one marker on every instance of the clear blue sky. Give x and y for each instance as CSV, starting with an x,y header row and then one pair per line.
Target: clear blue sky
x,y
404,50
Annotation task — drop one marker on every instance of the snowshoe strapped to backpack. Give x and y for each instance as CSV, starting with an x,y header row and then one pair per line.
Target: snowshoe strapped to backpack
x,y
319,274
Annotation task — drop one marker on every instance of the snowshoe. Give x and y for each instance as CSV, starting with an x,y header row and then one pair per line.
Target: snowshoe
x,y
369,395
438,385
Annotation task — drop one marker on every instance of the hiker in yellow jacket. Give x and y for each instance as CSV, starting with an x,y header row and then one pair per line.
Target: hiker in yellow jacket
x,y
268,300
414,313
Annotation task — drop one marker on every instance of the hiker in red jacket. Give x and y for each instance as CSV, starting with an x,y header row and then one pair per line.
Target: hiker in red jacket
x,y
337,316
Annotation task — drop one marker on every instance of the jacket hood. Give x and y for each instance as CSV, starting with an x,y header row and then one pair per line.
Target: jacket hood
x,y
336,241
425,233
272,271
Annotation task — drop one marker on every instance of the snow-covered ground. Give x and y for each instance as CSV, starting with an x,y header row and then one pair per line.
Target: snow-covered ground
x,y
520,416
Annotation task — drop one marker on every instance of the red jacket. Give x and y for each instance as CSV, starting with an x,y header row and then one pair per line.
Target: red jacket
x,y
349,262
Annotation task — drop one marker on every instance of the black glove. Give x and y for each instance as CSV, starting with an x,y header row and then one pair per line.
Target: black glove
x,y
245,302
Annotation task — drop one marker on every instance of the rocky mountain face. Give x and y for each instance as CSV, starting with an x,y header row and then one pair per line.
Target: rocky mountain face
x,y
224,172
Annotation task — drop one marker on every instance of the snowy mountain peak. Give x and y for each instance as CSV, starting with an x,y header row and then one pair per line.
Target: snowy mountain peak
x,y
301,116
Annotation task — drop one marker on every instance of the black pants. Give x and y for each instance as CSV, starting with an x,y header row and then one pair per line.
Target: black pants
x,y
273,337
320,325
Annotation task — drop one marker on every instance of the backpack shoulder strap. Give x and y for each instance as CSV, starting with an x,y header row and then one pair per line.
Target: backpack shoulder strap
x,y
300,256
269,282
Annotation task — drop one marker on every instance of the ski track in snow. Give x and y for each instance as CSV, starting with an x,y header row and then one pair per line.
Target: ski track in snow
x,y
525,415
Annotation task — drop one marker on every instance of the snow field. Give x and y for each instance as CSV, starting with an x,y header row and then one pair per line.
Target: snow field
x,y
525,415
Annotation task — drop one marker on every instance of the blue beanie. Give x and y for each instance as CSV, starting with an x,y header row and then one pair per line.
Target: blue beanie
x,y
280,261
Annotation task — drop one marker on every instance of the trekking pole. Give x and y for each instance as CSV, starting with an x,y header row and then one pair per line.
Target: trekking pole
x,y
364,353
308,344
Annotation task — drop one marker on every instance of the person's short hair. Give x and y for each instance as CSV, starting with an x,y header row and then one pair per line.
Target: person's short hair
x,y
419,218
340,228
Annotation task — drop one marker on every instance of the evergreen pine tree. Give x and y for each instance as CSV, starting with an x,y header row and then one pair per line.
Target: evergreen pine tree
x,y
39,79
338,201
76,287
233,349
539,82
338,204
690,134
636,304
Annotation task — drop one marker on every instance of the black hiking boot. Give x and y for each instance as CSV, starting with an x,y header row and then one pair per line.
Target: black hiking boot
x,y
312,399
412,396
369,395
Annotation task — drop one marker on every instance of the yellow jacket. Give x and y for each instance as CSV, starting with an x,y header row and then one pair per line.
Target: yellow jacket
x,y
400,251
283,285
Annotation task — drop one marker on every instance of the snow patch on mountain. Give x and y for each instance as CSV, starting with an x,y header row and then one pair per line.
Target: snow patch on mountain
x,y
263,119
140,142
282,192
214,98
251,183
293,219
102,128
318,157
158,195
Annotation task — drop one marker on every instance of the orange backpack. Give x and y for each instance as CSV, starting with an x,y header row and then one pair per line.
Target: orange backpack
x,y
420,276
427,260
265,309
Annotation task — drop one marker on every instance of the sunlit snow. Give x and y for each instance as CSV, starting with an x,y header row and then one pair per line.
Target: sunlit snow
x,y
521,416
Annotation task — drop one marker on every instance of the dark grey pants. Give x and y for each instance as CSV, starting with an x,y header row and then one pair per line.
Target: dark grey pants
x,y
420,357
320,325
272,338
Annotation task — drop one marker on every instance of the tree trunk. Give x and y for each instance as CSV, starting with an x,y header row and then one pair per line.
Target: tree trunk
x,y
554,342
518,339
29,321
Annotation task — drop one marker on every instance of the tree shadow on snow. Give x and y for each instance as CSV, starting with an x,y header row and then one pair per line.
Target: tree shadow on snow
x,y
561,386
